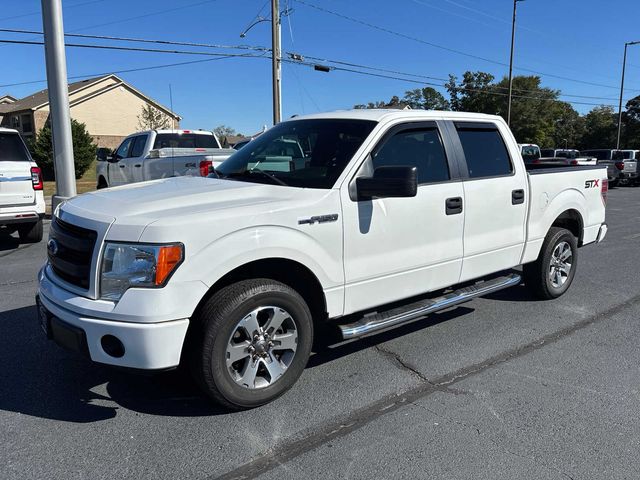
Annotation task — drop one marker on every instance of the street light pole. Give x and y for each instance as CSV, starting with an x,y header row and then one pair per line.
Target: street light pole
x,y
513,40
60,117
276,60
624,67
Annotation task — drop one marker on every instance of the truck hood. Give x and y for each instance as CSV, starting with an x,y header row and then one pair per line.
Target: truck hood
x,y
135,206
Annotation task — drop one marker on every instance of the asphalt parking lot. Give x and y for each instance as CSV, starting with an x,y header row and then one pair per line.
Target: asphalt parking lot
x,y
502,387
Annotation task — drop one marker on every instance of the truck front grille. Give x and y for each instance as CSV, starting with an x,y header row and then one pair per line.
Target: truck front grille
x,y
70,249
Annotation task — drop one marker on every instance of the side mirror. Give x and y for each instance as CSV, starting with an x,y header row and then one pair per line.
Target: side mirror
x,y
388,182
102,154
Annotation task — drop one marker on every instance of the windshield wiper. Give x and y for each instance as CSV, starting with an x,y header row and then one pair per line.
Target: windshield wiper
x,y
266,174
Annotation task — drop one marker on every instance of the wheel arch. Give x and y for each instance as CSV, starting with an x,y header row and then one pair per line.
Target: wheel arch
x,y
572,220
289,272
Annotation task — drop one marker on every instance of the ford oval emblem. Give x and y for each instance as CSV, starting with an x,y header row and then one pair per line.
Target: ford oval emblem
x,y
52,247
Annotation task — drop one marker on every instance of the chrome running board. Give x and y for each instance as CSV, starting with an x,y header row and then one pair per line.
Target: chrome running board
x,y
397,316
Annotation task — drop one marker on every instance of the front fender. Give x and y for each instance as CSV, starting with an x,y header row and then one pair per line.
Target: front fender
x,y
320,253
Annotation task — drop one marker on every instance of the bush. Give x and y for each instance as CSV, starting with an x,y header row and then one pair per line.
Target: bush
x,y
84,150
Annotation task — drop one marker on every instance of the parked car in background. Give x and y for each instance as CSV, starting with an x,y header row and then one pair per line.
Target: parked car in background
x,y
627,168
630,173
530,152
566,156
22,204
347,217
158,154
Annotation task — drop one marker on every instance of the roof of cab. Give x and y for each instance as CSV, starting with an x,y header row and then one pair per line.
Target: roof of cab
x,y
379,115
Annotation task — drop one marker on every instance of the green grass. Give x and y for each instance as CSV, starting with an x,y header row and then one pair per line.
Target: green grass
x,y
85,184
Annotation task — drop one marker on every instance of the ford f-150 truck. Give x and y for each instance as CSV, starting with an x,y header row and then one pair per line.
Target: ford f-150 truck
x,y
382,218
158,154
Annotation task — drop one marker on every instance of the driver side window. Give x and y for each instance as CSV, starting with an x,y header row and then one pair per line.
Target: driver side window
x,y
123,149
420,148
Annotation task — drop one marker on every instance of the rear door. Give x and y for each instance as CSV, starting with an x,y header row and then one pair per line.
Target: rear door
x,y
495,193
16,187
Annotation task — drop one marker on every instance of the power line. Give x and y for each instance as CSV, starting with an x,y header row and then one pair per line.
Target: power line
x,y
139,40
333,67
249,47
139,69
443,47
31,14
126,49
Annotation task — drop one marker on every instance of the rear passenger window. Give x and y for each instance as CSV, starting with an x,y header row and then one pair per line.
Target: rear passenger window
x,y
421,148
138,146
485,152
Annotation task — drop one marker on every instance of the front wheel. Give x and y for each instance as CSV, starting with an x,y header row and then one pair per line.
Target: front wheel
x,y
552,273
251,342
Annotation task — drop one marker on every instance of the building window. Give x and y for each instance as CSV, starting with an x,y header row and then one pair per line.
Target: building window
x,y
27,127
15,122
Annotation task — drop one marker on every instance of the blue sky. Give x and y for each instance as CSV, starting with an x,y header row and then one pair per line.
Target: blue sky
x,y
577,39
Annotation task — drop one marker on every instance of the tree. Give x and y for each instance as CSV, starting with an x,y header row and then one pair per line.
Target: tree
x,y
426,99
394,102
600,128
222,131
473,94
569,126
151,118
84,150
631,124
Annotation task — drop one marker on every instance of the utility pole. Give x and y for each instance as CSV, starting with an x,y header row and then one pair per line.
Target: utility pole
x,y
624,67
513,40
58,101
276,61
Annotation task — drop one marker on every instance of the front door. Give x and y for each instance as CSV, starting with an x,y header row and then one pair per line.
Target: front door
x,y
117,165
395,248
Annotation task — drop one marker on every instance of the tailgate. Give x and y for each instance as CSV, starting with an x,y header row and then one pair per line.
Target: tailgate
x,y
630,166
16,187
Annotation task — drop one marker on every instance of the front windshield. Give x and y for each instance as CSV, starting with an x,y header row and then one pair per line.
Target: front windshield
x,y
298,153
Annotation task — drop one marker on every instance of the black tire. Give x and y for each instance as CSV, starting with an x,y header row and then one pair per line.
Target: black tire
x,y
614,183
217,320
102,183
30,232
537,275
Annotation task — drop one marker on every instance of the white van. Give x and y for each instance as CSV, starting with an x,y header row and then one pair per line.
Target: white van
x,y
22,204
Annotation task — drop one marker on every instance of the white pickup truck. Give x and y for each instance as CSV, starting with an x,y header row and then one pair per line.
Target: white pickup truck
x,y
22,205
380,211
158,154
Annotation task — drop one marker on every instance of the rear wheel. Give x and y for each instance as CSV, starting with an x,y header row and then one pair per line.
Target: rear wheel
x,y
552,273
251,341
30,232
102,183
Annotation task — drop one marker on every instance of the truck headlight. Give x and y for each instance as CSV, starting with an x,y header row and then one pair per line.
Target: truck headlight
x,y
136,265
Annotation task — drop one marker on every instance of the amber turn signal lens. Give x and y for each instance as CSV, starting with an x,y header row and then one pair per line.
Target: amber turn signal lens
x,y
168,259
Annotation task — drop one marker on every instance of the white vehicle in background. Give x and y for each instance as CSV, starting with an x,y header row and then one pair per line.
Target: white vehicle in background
x,y
22,204
626,162
156,154
530,152
357,218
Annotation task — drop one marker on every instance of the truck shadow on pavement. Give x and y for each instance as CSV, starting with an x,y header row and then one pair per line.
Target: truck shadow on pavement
x,y
43,380
7,241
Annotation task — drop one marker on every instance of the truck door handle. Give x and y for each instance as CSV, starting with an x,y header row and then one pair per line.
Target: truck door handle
x,y
517,197
122,166
138,165
453,206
